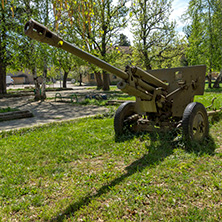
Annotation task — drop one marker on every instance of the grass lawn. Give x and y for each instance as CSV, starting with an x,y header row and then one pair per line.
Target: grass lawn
x,y
8,109
78,171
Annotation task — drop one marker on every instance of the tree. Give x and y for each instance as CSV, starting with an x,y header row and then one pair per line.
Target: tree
x,y
153,33
218,33
204,33
45,9
172,56
96,23
32,55
15,50
39,53
7,28
67,62
3,51
123,40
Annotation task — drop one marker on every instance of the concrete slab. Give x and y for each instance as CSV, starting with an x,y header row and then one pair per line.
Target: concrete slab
x,y
45,112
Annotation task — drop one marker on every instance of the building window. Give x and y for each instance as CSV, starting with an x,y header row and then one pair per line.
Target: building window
x,y
92,76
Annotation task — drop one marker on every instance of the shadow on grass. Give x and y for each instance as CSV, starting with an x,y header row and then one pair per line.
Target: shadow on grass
x,y
208,146
215,118
159,148
216,90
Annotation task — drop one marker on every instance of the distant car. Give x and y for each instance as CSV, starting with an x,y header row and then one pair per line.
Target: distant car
x,y
9,81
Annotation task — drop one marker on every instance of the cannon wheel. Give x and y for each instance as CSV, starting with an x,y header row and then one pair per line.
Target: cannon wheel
x,y
195,122
122,113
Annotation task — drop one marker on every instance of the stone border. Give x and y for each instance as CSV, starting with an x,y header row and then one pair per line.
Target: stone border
x,y
15,115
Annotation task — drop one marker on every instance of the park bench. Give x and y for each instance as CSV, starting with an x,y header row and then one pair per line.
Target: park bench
x,y
72,97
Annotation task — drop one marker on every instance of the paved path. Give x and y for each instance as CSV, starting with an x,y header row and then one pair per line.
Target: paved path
x,y
45,112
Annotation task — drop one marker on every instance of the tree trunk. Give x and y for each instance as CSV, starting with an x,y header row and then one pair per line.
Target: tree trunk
x,y
3,56
80,79
2,77
147,61
217,82
211,45
106,81
43,88
65,79
43,93
209,78
37,85
99,80
221,76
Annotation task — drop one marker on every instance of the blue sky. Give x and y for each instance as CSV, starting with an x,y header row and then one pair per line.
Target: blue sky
x,y
179,7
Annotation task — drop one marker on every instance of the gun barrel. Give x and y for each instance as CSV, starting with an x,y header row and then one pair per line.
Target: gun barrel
x,y
40,33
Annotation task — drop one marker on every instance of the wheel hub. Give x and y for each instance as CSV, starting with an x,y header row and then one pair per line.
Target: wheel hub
x,y
198,128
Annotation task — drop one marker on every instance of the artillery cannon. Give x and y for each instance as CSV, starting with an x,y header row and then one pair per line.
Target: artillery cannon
x,y
164,97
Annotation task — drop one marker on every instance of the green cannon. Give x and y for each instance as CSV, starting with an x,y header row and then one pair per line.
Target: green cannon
x,y
164,97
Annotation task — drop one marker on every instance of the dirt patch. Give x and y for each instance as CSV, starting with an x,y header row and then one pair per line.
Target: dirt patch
x,y
45,112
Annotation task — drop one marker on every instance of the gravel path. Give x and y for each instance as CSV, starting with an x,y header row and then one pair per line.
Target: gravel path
x,y
45,112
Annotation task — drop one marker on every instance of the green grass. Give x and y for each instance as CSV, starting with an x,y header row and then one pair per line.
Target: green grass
x,y
8,109
79,171
18,90
209,94
208,97
207,89
101,102
206,100
112,88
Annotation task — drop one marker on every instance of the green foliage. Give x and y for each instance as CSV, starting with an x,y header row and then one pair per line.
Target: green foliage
x,y
96,24
153,32
204,34
23,53
123,40
76,171
61,59
8,36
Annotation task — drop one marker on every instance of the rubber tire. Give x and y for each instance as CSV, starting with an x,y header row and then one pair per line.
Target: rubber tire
x,y
195,113
125,110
